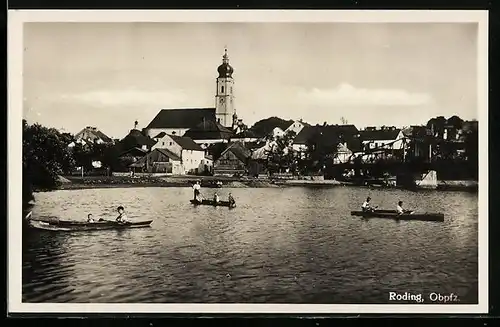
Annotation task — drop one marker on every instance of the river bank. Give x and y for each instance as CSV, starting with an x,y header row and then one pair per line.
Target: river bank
x,y
89,182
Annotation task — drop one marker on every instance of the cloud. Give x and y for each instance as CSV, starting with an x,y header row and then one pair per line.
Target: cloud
x,y
347,95
115,98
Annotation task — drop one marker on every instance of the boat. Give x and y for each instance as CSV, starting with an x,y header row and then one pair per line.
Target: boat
x,y
213,203
392,214
68,225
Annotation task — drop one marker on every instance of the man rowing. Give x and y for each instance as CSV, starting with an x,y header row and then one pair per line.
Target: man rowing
x,y
400,210
366,207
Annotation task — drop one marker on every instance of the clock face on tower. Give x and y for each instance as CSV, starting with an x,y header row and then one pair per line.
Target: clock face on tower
x,y
221,100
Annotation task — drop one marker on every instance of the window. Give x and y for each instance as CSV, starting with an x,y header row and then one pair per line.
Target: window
x,y
162,143
170,144
222,89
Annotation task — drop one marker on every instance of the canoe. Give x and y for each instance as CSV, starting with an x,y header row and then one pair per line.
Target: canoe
x,y
212,203
67,225
392,214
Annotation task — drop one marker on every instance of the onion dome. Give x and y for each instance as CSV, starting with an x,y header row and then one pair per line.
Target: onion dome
x,y
225,70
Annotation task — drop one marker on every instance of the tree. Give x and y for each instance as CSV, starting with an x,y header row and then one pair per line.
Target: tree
x,y
281,154
45,156
320,152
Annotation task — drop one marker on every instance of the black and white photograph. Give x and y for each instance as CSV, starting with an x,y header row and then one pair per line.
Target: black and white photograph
x,y
248,161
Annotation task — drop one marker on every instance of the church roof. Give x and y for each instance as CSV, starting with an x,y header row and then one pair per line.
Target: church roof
x,y
181,118
207,130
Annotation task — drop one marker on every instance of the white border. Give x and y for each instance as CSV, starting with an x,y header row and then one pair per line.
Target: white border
x,y
15,109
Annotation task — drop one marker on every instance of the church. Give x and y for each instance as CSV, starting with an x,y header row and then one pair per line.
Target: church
x,y
203,125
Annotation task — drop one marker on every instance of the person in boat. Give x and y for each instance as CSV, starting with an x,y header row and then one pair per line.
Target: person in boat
x,y
400,209
231,200
122,216
196,189
366,206
216,198
90,218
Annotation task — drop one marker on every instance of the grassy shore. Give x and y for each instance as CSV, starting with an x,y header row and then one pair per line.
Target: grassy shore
x,y
89,182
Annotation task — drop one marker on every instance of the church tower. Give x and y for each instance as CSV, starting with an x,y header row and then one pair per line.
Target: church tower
x,y
224,97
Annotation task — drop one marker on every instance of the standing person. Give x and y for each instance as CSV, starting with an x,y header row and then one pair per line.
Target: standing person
x,y
216,198
196,189
122,216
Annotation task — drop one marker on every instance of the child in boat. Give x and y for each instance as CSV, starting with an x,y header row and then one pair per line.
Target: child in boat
x,y
90,218
231,200
366,207
122,217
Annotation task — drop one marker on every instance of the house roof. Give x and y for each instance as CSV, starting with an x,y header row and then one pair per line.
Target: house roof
x,y
181,118
186,143
160,135
209,129
168,153
332,133
92,133
135,139
379,134
134,152
238,150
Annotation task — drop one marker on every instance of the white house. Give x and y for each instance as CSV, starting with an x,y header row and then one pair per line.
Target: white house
x,y
191,154
295,127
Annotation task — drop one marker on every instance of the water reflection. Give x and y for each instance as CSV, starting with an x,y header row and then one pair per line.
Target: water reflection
x,y
294,245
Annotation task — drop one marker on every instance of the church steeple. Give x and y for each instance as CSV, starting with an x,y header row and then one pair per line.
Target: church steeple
x,y
224,97
225,70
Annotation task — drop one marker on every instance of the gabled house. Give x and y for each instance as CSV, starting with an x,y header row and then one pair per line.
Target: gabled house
x,y
208,132
178,121
91,135
159,161
232,161
190,153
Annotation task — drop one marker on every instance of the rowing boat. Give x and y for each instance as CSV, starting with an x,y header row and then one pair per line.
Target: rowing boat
x,y
67,225
392,214
213,203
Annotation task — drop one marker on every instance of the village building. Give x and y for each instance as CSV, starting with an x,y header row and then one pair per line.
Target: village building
x,y
159,161
91,135
247,136
390,138
209,132
329,135
191,154
179,121
233,161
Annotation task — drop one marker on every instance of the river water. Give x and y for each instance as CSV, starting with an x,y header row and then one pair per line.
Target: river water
x,y
290,245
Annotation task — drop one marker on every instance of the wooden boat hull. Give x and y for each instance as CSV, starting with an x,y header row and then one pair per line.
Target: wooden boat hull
x,y
392,214
64,225
212,203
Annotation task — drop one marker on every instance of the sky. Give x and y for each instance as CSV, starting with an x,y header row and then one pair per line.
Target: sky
x,y
109,75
